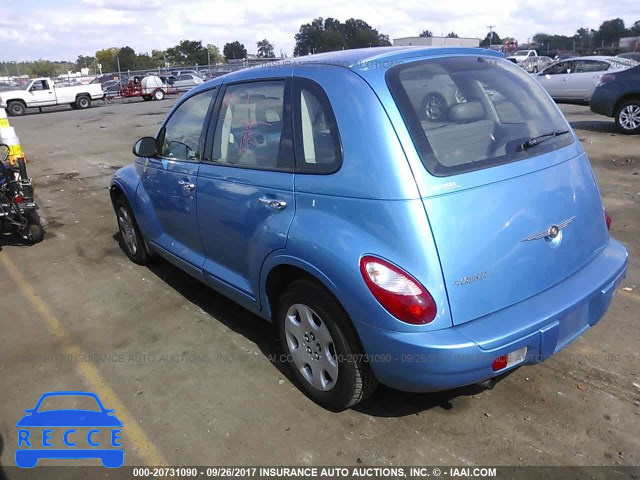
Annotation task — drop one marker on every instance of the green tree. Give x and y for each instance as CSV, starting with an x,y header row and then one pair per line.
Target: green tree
x,y
634,31
187,52
426,33
214,54
492,38
107,58
127,57
265,49
610,32
43,68
326,35
85,61
234,50
158,57
452,35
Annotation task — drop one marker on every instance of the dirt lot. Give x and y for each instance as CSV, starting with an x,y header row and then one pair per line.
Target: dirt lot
x,y
189,373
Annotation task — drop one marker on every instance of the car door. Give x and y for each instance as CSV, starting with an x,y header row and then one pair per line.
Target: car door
x,y
42,94
245,185
554,79
169,180
586,77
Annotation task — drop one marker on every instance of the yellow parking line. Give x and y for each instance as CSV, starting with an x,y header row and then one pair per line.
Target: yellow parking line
x,y
633,295
146,449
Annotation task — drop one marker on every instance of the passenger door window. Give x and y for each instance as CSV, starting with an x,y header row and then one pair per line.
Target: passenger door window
x,y
317,139
251,130
182,138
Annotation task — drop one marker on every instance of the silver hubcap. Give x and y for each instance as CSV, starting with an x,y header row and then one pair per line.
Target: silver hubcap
x,y
311,347
630,117
159,95
127,231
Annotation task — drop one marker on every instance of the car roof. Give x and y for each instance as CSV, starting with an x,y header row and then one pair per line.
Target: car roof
x,y
354,59
593,57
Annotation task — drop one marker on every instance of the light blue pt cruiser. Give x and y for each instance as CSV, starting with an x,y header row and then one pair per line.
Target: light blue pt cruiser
x,y
420,217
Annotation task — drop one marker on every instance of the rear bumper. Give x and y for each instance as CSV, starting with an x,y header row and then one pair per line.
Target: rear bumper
x,y
603,101
462,355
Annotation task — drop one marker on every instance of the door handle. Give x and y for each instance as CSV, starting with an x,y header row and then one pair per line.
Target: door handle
x,y
273,203
187,185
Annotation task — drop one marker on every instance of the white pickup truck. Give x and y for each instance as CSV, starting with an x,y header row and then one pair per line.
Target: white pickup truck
x,y
521,55
40,92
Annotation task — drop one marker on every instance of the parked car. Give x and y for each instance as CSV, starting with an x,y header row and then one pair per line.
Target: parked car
x,y
618,95
384,245
41,92
522,55
112,87
630,55
535,64
187,81
573,80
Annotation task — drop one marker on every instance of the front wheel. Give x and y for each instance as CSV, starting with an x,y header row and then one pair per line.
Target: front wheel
x,y
16,109
321,347
131,239
628,117
535,69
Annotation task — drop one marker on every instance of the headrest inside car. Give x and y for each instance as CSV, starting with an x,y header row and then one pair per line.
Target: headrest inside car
x,y
470,111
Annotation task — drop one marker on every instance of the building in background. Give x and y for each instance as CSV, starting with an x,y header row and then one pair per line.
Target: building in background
x,y
436,42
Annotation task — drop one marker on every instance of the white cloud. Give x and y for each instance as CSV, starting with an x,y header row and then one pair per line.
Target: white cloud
x,y
67,28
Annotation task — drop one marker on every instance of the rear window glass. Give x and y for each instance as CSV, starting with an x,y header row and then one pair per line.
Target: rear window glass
x,y
472,112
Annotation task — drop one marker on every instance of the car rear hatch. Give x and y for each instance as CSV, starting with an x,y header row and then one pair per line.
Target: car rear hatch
x,y
511,216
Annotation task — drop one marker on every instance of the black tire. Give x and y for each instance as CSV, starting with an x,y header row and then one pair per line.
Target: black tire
x,y
83,102
35,230
158,94
131,240
628,117
355,380
434,107
16,108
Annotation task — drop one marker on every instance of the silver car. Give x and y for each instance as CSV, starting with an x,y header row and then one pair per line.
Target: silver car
x,y
573,80
187,81
536,64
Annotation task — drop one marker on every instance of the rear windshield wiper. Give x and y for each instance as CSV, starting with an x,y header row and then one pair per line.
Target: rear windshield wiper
x,y
532,142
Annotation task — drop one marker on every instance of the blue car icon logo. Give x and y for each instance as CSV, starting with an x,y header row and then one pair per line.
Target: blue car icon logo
x,y
84,433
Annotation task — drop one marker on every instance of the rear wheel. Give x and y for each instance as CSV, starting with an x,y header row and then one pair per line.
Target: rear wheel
x,y
628,117
83,102
322,347
158,94
131,239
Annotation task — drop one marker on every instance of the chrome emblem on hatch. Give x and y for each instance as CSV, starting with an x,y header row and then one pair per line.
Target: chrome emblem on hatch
x,y
550,233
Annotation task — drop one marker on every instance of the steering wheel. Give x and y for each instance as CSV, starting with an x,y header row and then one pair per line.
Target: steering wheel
x,y
434,106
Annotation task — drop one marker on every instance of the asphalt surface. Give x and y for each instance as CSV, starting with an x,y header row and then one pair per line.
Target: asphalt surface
x,y
193,376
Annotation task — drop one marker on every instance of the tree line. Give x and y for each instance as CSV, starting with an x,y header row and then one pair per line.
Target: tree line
x,y
319,35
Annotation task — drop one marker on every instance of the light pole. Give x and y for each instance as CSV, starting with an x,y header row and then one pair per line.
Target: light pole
x,y
209,60
490,27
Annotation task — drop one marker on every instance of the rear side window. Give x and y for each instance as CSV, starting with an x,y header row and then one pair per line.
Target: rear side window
x,y
318,148
468,113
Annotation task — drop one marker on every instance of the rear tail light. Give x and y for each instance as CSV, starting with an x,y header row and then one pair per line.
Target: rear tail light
x,y
18,199
605,79
399,293
607,219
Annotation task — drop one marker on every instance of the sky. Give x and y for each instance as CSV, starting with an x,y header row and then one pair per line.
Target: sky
x,y
64,29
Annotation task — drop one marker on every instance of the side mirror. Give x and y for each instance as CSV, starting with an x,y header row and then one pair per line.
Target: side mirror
x,y
146,147
4,152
